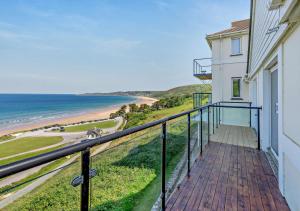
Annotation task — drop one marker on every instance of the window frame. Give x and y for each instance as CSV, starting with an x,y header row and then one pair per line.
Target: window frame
x,y
240,43
240,87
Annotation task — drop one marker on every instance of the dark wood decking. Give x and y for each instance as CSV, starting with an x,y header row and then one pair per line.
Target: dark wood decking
x,y
229,177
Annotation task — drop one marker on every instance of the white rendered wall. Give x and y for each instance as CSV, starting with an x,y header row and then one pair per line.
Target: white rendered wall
x,y
225,66
288,63
289,116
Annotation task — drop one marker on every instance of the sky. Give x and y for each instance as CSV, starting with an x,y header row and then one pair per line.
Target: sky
x,y
64,46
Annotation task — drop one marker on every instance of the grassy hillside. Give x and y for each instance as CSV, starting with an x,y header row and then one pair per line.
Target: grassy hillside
x,y
183,90
128,175
177,91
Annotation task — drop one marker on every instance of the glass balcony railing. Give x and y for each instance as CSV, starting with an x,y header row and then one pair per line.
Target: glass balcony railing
x,y
136,168
201,99
202,68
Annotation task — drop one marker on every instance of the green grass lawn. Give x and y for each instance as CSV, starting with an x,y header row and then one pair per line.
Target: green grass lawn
x,y
21,157
6,138
27,144
86,127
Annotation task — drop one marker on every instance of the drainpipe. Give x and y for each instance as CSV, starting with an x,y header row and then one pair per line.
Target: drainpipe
x,y
221,67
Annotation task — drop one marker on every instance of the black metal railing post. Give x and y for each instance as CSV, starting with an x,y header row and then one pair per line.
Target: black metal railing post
x,y
258,129
219,114
213,111
189,143
194,66
208,120
163,166
250,121
217,117
194,100
201,129
85,172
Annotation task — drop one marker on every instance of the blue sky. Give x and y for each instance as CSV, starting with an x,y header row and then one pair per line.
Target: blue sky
x,y
63,46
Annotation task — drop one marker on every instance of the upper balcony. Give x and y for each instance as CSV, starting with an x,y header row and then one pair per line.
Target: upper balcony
x,y
202,69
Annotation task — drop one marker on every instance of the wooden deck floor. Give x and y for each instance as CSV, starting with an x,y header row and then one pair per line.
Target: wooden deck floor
x,y
235,135
229,177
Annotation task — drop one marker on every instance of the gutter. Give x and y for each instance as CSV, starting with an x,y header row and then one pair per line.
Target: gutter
x,y
210,37
249,40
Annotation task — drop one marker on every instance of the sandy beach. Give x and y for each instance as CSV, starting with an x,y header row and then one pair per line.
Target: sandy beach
x,y
87,116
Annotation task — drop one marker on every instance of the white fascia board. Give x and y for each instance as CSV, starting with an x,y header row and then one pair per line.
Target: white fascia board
x,y
275,4
224,35
290,12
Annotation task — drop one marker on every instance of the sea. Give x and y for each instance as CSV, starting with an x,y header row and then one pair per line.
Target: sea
x,y
19,109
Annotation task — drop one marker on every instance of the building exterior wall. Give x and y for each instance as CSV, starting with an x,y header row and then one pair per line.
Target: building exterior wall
x,y
289,132
225,67
278,50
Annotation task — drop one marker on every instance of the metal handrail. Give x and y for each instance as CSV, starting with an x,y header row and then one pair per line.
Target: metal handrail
x,y
206,93
226,106
84,148
16,167
236,102
198,67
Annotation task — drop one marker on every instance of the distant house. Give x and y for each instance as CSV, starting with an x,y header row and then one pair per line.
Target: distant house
x,y
94,133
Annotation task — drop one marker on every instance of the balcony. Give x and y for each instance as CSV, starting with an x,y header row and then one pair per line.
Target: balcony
x,y
202,69
229,177
207,158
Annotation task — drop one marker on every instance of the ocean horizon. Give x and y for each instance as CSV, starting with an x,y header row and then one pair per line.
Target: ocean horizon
x,y
20,109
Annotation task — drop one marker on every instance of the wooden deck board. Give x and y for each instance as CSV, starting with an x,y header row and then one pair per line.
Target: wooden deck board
x,y
235,135
229,177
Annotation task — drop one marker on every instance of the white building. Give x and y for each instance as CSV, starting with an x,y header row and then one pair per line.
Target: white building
x,y
274,76
229,62
269,76
226,69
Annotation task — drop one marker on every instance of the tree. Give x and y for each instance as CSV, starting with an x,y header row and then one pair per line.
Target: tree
x,y
156,105
133,108
113,115
144,108
124,107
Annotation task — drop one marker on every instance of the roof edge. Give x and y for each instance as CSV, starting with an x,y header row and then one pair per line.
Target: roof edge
x,y
210,37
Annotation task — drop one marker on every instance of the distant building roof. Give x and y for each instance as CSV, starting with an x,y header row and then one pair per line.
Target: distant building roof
x,y
236,26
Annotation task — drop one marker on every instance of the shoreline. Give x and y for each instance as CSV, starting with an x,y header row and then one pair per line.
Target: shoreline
x,y
91,115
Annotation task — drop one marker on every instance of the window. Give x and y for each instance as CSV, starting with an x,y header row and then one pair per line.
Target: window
x,y
236,46
236,87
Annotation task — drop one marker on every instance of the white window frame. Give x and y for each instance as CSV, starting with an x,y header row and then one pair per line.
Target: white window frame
x,y
240,42
232,91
